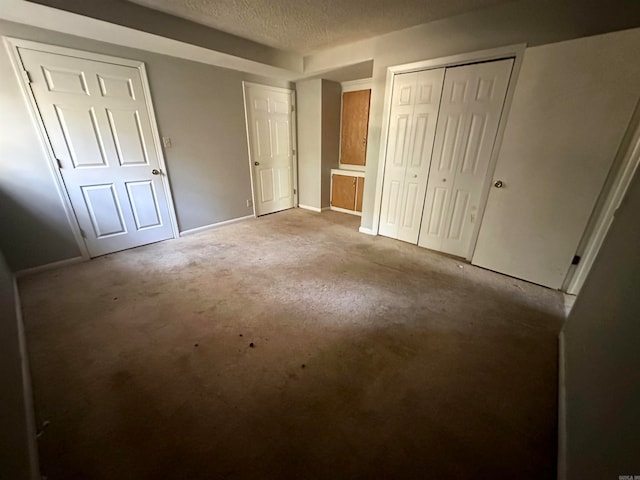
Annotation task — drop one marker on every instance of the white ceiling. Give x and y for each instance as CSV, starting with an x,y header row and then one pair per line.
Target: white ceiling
x,y
306,26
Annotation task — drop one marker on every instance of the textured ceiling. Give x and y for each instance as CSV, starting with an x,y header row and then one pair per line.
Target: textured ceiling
x,y
306,26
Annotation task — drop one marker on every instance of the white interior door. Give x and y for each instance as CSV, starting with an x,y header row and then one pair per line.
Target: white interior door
x,y
414,112
96,118
470,109
269,122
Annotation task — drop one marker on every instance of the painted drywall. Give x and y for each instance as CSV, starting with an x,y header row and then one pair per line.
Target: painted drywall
x,y
42,16
199,106
331,110
309,114
17,441
534,22
129,14
319,103
617,181
602,377
572,105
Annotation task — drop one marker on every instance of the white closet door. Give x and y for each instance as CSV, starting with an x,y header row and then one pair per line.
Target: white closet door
x,y
414,111
472,101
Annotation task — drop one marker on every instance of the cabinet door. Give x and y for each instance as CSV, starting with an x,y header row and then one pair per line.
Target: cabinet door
x,y
355,124
359,192
343,191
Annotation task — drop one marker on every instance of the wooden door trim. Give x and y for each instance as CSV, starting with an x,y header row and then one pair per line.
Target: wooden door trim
x,y
12,45
292,134
512,51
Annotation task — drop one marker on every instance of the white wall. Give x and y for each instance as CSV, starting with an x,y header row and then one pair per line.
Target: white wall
x,y
129,14
572,105
602,357
309,117
318,118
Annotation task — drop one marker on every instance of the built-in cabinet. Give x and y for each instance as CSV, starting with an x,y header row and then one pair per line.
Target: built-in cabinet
x,y
347,183
346,191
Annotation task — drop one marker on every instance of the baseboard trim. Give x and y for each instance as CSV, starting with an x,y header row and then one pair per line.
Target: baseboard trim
x,y
27,391
324,209
344,210
562,410
307,207
366,231
191,231
49,266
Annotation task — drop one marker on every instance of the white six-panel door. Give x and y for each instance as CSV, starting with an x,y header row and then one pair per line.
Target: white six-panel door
x,y
96,118
269,121
414,112
470,109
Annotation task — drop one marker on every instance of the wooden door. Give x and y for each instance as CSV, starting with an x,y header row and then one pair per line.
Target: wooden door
x,y
269,120
343,191
359,192
355,124
95,115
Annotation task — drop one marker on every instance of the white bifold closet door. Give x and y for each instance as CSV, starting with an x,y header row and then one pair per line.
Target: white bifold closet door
x,y
414,112
470,109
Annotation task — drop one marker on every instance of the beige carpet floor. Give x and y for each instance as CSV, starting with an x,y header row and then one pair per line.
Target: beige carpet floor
x,y
291,347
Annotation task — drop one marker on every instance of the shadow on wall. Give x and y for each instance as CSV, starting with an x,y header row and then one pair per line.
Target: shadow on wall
x,y
29,238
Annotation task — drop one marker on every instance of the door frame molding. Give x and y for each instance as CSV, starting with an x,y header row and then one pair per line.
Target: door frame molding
x,y
293,131
516,52
12,44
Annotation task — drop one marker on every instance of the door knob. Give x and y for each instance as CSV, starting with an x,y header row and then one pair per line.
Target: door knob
x,y
256,163
155,171
498,184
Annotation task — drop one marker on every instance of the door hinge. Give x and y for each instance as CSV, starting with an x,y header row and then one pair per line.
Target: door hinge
x,y
293,152
293,108
83,233
295,191
59,162
27,77
576,260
